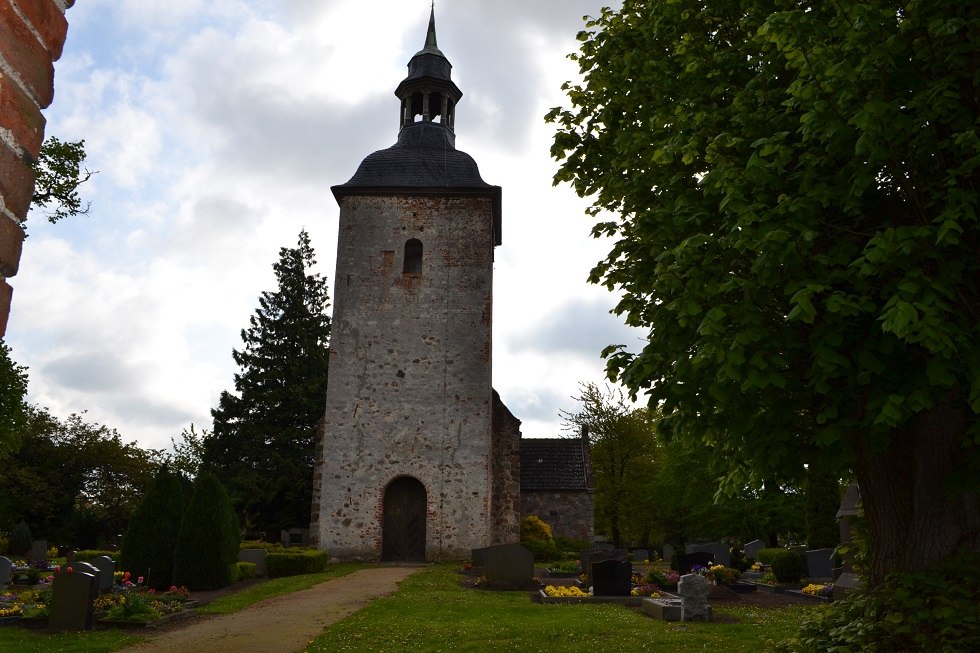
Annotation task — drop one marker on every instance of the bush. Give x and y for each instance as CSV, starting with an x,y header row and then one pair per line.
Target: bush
x,y
787,566
534,529
87,554
245,570
207,545
20,540
765,556
934,610
150,541
295,561
542,551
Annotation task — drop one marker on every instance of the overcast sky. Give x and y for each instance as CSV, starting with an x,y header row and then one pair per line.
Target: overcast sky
x,y
217,128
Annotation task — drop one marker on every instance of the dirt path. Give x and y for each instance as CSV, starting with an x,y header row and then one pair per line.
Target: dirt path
x,y
283,624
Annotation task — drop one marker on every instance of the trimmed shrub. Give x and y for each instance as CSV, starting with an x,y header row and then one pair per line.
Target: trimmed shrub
x,y
85,555
765,556
20,540
295,561
534,529
150,541
207,545
542,551
245,570
787,566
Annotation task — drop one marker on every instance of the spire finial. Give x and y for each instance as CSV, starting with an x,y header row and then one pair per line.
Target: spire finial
x,y
430,36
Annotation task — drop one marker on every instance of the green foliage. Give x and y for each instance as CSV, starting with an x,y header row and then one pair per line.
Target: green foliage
x,y
13,410
245,570
263,440
84,555
571,545
765,556
20,539
934,610
207,544
535,529
151,539
294,561
58,174
787,566
74,482
791,194
823,496
542,551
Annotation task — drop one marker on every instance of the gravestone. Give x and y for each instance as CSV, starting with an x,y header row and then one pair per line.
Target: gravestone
x,y
256,557
5,570
717,550
752,549
688,561
295,537
641,555
611,578
91,570
820,564
39,551
72,595
592,556
668,554
479,556
693,590
107,568
847,580
510,564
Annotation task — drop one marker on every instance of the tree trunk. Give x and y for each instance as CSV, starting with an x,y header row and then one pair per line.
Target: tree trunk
x,y
917,503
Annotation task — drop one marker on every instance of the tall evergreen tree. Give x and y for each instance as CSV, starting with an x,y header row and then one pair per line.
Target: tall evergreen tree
x,y
262,443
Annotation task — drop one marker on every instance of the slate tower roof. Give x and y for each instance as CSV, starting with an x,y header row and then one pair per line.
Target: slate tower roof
x,y
425,158
555,464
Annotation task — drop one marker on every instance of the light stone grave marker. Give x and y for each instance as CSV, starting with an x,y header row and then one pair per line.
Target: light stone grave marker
x,y
693,590
5,570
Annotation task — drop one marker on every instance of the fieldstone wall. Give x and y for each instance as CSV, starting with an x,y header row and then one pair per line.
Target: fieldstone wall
x,y
569,513
409,391
32,35
506,474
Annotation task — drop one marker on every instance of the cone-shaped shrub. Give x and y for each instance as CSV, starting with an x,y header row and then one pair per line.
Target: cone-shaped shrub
x,y
207,547
20,540
151,539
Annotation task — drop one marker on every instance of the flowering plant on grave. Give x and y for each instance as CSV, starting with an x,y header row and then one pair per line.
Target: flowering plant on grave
x,y
819,589
721,574
563,591
647,589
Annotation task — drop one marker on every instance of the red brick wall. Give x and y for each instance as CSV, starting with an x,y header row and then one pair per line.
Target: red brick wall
x,y
32,34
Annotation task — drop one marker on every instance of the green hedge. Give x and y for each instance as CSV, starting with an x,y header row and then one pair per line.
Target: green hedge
x,y
88,554
294,561
244,570
787,566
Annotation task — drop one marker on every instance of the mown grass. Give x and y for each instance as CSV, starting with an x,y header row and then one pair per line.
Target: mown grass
x,y
275,587
431,612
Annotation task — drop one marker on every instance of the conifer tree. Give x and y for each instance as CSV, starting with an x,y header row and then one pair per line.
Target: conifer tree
x,y
207,545
151,538
262,442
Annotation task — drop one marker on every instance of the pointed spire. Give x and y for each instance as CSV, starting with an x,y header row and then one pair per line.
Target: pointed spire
x,y
431,47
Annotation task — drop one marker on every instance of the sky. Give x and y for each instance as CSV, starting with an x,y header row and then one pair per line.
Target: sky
x,y
217,128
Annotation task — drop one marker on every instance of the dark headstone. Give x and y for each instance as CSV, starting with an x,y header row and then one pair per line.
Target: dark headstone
x,y
717,550
72,595
295,537
257,557
107,569
752,549
688,561
640,555
590,557
479,556
90,569
611,578
694,595
39,551
5,570
820,564
509,564
668,553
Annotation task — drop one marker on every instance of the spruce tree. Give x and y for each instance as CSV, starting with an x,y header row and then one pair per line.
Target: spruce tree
x,y
262,442
151,538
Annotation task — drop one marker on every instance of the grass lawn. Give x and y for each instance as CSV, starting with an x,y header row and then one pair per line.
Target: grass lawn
x,y
431,612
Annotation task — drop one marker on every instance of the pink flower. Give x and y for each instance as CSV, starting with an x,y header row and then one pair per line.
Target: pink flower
x,y
140,580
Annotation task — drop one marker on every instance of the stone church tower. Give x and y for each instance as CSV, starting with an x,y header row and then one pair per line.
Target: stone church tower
x,y
419,459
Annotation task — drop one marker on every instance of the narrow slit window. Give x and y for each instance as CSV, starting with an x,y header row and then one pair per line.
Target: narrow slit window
x,y
413,256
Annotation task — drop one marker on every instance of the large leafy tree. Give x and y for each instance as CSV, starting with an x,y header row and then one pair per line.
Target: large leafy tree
x,y
13,409
262,443
794,192
74,482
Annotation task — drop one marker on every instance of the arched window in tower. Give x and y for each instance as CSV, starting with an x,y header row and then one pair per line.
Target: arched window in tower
x,y
418,107
413,257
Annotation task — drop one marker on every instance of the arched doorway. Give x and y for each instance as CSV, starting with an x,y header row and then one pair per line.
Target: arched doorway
x,y
403,521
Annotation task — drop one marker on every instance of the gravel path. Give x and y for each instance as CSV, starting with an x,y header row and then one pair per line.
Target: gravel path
x,y
284,624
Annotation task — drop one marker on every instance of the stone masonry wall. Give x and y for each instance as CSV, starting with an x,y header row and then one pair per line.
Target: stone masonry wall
x,y
32,35
506,474
409,391
569,513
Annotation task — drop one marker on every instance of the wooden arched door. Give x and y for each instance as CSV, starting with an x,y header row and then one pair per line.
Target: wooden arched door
x,y
403,521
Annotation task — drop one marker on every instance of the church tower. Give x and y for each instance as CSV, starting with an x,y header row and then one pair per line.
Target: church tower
x,y
418,459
